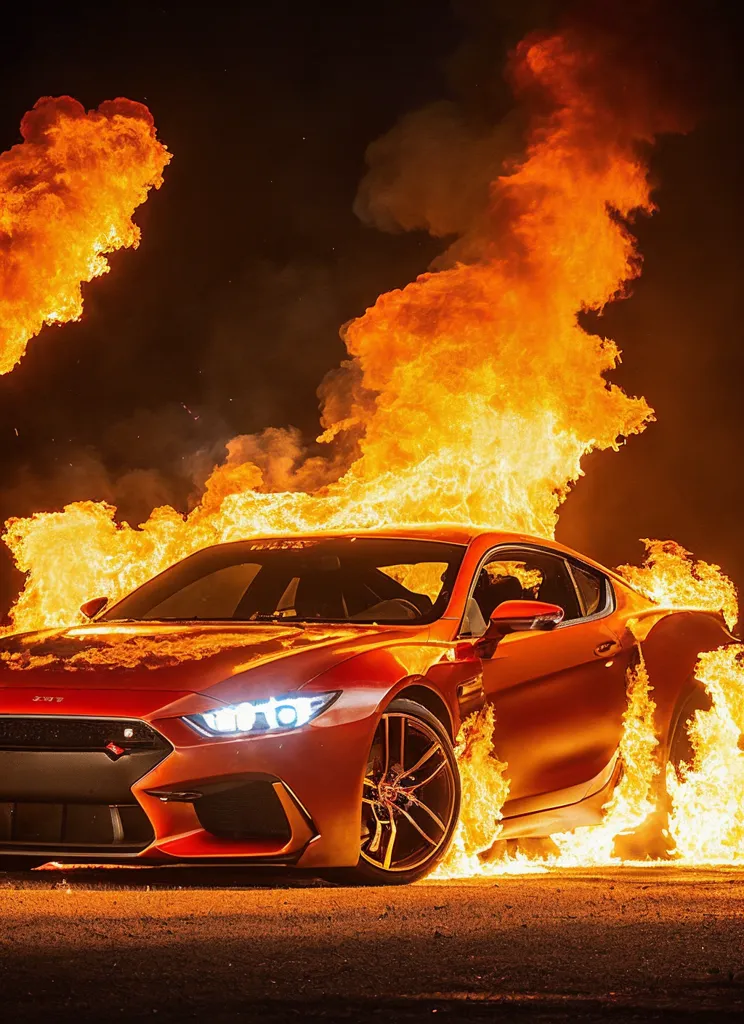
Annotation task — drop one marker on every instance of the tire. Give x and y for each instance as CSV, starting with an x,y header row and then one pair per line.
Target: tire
x,y
680,748
404,836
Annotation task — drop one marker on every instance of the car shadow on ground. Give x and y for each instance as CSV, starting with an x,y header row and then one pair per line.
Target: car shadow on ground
x,y
515,1008
139,878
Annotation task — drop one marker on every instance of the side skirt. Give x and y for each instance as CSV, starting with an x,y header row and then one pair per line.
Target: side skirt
x,y
540,824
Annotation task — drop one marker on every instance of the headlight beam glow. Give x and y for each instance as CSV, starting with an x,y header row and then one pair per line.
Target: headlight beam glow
x,y
256,717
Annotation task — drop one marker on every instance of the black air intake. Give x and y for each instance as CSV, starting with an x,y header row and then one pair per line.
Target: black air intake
x,y
247,810
73,828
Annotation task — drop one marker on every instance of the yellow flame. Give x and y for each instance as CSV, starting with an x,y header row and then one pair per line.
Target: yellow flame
x,y
484,792
707,821
672,577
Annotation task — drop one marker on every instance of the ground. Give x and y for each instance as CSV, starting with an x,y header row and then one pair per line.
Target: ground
x,y
612,945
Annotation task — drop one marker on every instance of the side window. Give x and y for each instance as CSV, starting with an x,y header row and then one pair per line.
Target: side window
x,y
592,587
520,575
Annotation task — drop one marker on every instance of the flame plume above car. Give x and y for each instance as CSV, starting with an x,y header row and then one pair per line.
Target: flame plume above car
x,y
472,393
67,195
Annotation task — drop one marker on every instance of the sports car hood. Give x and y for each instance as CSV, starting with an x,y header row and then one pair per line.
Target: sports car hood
x,y
180,657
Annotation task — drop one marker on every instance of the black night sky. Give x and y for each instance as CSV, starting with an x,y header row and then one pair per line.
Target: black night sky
x,y
252,256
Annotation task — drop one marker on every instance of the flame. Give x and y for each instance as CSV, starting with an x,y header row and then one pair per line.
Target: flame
x,y
707,820
671,577
67,195
484,792
472,394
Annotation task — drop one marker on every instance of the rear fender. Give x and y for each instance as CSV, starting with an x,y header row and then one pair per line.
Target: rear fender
x,y
671,651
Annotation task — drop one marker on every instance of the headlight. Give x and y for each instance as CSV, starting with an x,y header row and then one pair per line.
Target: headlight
x,y
254,716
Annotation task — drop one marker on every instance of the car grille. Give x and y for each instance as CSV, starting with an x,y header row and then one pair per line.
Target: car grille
x,y
66,783
52,733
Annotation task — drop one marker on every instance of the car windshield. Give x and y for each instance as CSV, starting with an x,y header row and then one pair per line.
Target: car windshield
x,y
342,579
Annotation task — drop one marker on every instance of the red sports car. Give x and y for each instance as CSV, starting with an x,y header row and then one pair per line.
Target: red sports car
x,y
294,701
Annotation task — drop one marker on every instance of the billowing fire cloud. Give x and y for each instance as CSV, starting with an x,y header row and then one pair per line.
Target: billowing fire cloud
x,y
67,195
472,394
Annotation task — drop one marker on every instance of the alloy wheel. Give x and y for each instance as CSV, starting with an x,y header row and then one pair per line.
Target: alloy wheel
x,y
409,796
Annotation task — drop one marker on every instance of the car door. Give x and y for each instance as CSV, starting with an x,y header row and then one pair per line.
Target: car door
x,y
558,696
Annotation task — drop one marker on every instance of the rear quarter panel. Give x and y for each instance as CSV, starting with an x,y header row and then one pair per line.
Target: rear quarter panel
x,y
672,642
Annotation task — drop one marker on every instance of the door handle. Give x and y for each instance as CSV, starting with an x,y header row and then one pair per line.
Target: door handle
x,y
606,647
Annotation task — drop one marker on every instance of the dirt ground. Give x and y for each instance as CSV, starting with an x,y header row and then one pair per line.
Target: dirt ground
x,y
625,944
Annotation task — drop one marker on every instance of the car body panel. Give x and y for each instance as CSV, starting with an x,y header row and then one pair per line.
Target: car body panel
x,y
559,699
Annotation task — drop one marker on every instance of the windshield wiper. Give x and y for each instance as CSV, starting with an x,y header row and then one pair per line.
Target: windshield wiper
x,y
260,617
187,618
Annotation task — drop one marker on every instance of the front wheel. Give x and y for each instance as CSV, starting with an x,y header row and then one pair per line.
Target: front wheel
x,y
410,799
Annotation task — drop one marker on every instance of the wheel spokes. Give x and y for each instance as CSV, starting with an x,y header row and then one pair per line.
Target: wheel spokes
x,y
394,835
429,778
421,761
390,844
424,807
412,821
374,845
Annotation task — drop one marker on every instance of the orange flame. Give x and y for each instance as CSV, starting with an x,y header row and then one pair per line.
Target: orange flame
x,y
484,792
673,578
473,393
67,195
471,396
707,821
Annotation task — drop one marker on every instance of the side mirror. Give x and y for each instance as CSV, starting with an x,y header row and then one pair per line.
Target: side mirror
x,y
516,617
91,608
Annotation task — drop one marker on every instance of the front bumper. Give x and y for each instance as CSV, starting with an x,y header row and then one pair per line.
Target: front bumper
x,y
289,799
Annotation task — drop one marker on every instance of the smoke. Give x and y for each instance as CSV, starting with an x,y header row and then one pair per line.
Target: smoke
x,y
151,458
433,172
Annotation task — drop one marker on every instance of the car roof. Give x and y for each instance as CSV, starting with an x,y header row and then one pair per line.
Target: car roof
x,y
447,533
465,535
